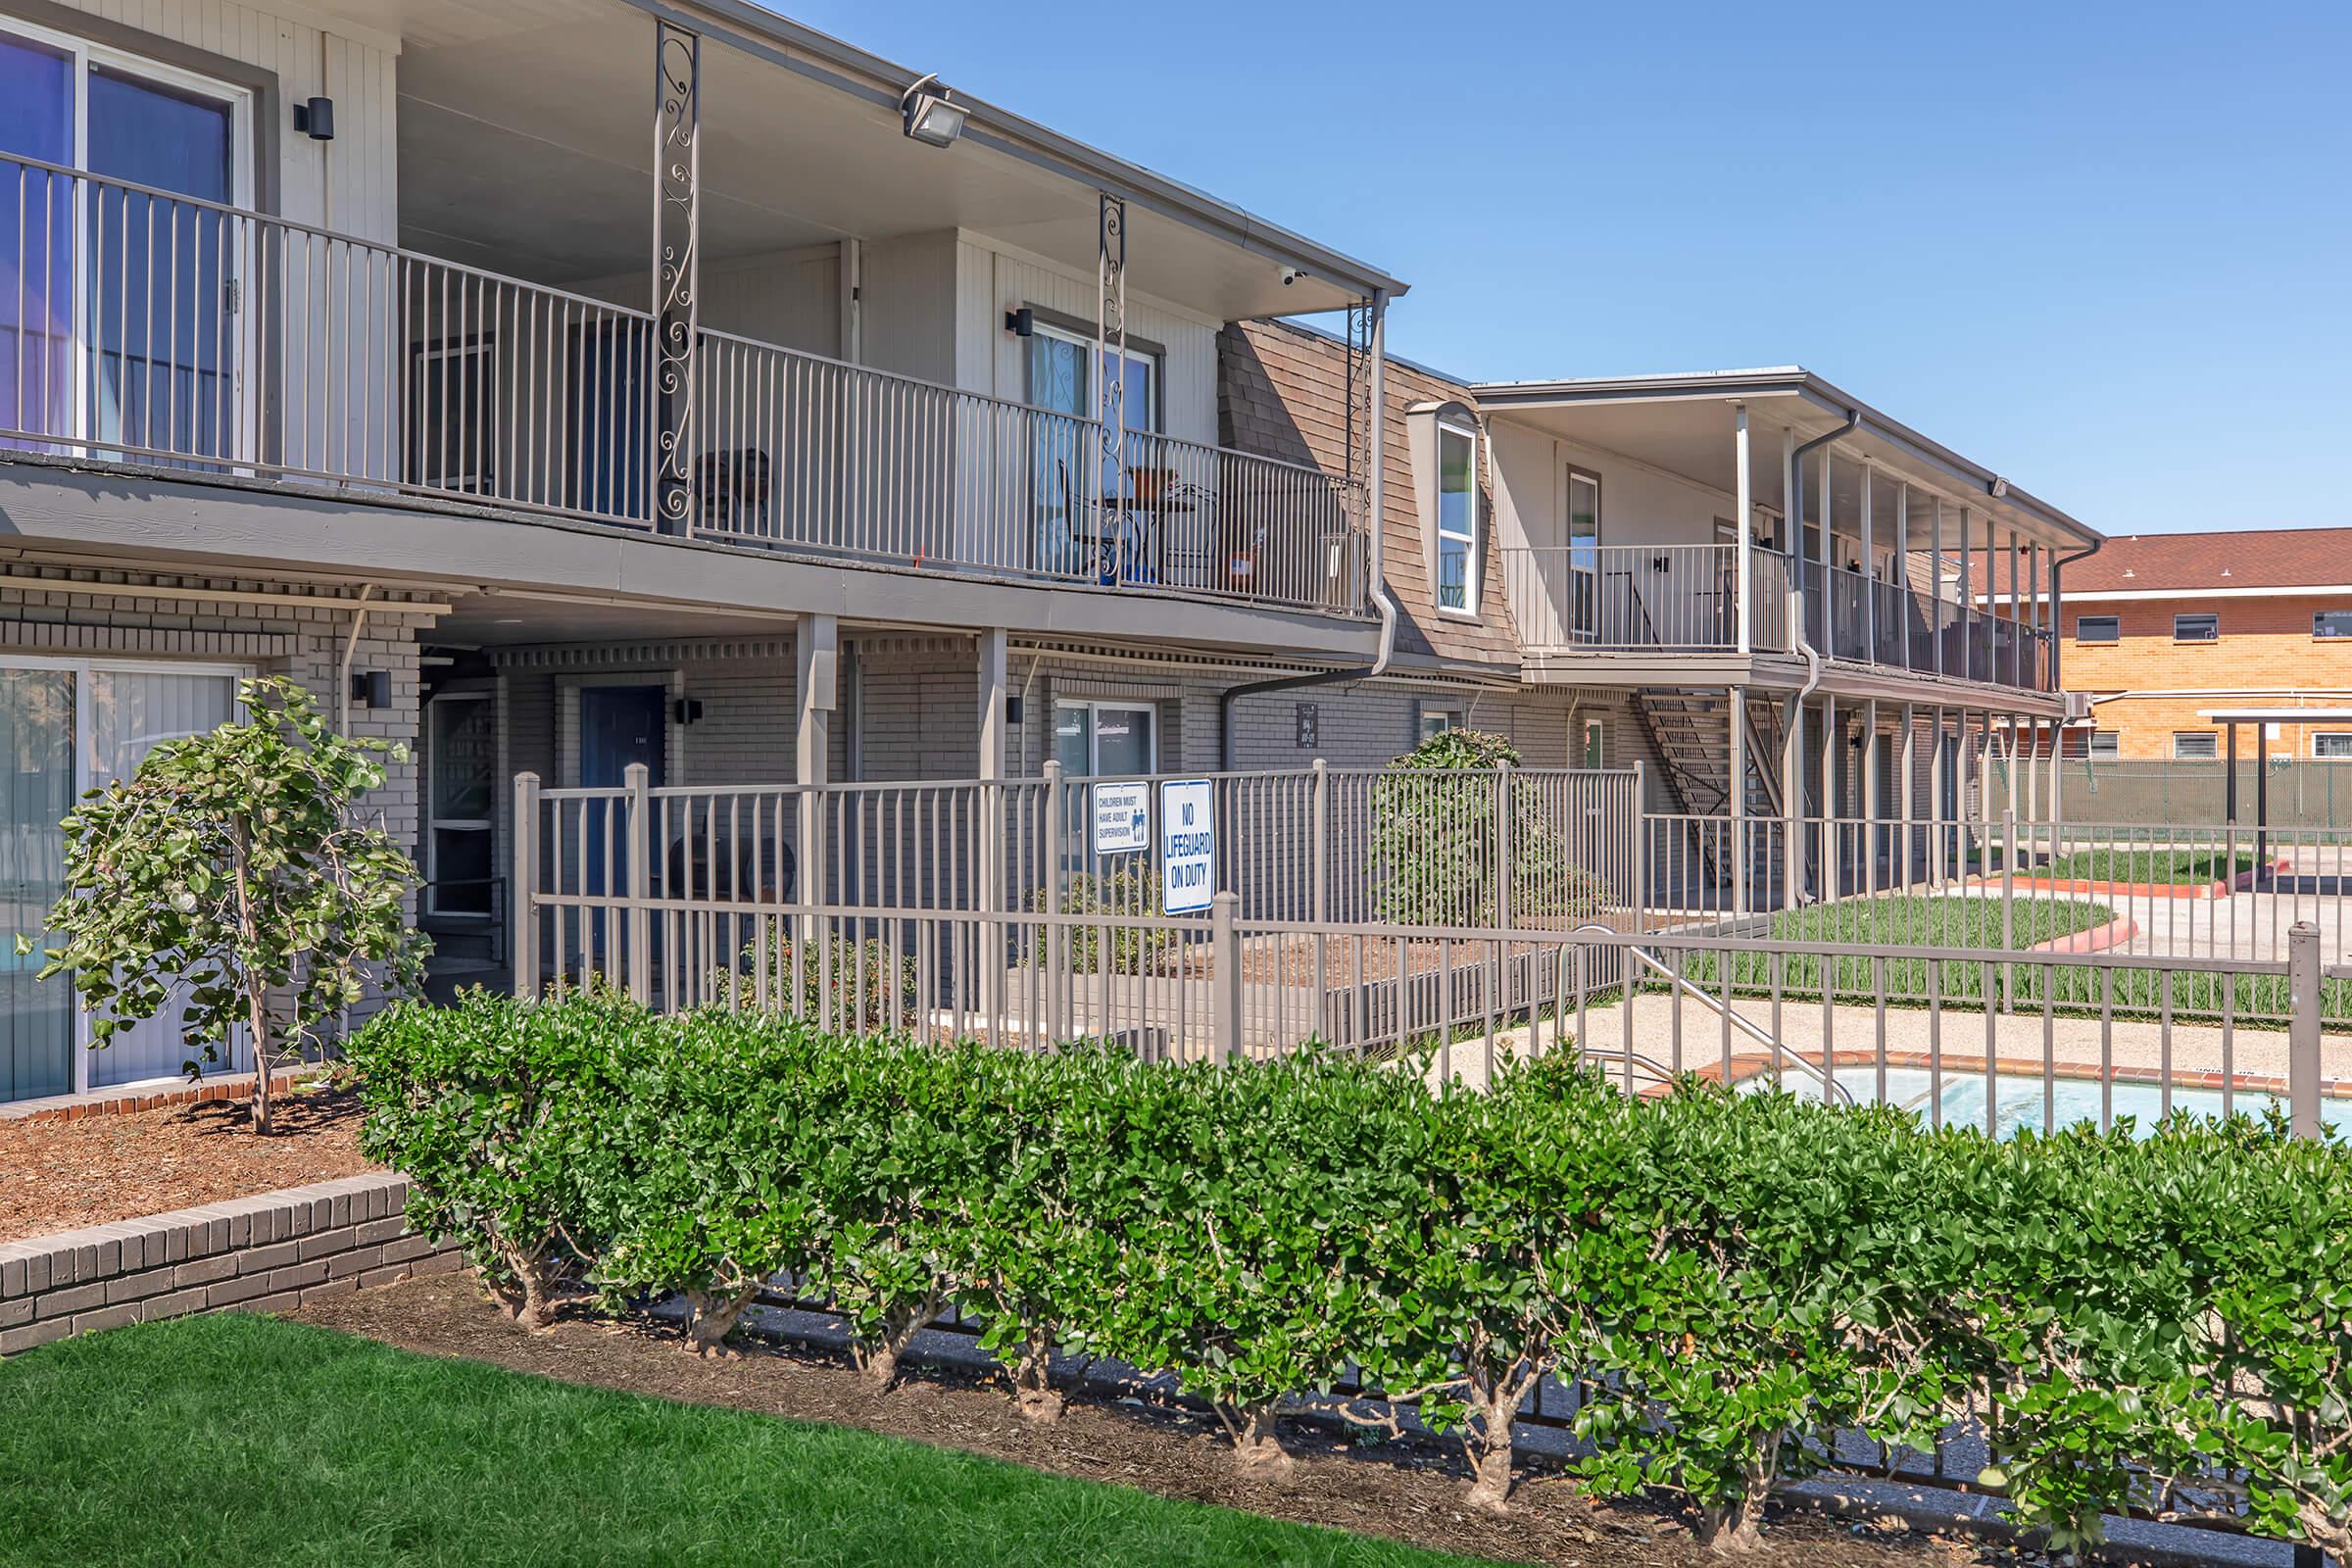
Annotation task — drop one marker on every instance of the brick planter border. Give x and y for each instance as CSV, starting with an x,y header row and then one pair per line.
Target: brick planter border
x,y
264,1254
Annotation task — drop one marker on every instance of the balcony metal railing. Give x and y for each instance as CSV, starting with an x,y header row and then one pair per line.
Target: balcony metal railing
x,y
138,324
1679,599
1672,597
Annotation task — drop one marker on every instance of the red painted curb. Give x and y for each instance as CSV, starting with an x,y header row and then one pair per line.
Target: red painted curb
x,y
2114,934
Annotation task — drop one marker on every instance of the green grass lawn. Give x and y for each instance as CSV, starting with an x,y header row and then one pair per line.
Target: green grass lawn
x,y
1966,921
2148,866
244,1440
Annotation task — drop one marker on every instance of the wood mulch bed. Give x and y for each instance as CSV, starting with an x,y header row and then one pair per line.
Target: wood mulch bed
x,y
60,1175
1409,1490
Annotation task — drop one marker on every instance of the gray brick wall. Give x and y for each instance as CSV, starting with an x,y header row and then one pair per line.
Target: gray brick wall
x,y
258,1254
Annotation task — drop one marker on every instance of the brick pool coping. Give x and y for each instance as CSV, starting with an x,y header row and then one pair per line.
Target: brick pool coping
x,y
264,1254
1748,1065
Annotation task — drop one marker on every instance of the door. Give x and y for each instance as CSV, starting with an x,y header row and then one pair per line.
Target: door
x,y
612,424
120,325
65,728
1072,474
618,725
1583,556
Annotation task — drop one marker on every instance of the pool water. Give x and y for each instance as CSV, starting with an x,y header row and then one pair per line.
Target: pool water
x,y
2018,1102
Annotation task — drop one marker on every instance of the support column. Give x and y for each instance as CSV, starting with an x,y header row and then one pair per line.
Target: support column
x,y
1939,775
1833,746
988,859
1935,602
1870,569
816,651
1738,736
1870,795
1111,345
1828,565
1792,802
1792,548
676,273
1743,577
1908,807
1901,574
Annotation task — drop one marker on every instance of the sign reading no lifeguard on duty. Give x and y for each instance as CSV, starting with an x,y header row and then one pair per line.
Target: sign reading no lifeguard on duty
x,y
1187,847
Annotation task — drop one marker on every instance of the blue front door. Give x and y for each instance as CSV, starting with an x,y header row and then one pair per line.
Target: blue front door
x,y
618,725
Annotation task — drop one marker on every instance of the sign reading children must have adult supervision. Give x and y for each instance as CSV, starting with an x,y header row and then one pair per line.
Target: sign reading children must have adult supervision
x,y
1187,847
1122,823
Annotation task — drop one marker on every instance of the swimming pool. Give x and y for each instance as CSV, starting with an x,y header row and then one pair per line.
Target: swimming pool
x,y
2017,1100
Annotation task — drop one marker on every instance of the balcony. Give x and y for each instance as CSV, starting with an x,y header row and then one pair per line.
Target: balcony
x,y
141,326
1682,599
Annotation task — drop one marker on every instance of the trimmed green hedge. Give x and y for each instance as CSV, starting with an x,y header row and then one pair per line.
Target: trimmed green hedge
x,y
1737,1279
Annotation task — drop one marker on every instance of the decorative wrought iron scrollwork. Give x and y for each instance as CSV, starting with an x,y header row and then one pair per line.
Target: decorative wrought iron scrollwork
x,y
1362,427
677,270
1111,340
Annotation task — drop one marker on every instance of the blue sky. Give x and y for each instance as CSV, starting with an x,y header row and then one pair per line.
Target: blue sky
x,y
2106,249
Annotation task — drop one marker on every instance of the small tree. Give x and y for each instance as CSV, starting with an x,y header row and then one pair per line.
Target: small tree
x,y
232,865
1436,838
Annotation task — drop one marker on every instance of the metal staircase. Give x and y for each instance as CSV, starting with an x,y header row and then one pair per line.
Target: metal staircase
x,y
1690,734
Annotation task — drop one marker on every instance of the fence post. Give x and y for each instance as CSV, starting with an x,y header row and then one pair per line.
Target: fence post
x,y
1640,852
522,902
2008,905
1321,893
1049,936
1225,967
639,783
2303,982
1503,846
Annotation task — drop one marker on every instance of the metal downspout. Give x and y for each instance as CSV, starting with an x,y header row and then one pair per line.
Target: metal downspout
x,y
1376,552
2058,564
1796,471
351,646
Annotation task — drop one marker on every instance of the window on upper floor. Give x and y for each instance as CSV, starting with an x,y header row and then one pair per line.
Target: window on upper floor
x,y
2332,624
1457,520
2204,626
2196,745
2332,745
2098,628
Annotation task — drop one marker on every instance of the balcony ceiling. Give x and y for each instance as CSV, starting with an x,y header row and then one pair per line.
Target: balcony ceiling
x,y
526,147
1688,432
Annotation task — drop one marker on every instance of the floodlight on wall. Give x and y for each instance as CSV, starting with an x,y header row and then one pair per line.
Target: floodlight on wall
x,y
314,117
931,113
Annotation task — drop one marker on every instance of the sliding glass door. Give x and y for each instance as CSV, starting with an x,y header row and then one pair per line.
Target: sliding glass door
x,y
120,325
67,728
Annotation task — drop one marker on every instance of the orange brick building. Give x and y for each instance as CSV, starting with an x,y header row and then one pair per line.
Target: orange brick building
x,y
2161,629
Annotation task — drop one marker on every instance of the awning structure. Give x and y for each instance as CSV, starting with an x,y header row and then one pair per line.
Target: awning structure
x,y
2229,718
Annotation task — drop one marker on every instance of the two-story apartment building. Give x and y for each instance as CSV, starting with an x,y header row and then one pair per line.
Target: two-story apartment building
x,y
2164,629
569,384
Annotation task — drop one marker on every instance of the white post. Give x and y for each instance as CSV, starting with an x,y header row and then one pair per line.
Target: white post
x,y
1870,569
1792,802
1909,765
1870,795
1744,578
1829,562
638,828
1833,742
1936,604
522,898
1738,803
990,850
1939,772
1901,574
815,687
1793,521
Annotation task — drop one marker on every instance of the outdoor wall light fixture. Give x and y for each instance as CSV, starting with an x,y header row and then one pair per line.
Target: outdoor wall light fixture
x,y
689,710
314,117
933,117
371,688
1021,323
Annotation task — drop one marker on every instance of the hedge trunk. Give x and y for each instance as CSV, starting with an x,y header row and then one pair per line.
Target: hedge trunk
x,y
1033,1391
1258,1451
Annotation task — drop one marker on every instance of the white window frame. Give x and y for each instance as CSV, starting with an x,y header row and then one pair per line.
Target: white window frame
x,y
2331,735
1094,707
84,53
2213,616
2319,616
1468,609
1592,735
2208,737
434,824
1449,717
1148,359
2091,751
82,669
2115,621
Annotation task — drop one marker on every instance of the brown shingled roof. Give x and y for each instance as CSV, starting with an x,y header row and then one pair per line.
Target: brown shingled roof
x,y
2221,558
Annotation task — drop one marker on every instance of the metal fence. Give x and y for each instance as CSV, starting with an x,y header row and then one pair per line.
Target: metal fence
x,y
2303,793
1977,971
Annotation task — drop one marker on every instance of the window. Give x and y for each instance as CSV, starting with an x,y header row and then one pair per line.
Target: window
x,y
2332,624
1595,749
1457,520
462,762
1098,740
1430,721
2203,627
2195,745
455,419
2334,746
1583,553
1072,473
2098,628
147,358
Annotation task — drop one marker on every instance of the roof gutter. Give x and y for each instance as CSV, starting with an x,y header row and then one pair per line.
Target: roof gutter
x,y
1376,513
2058,566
